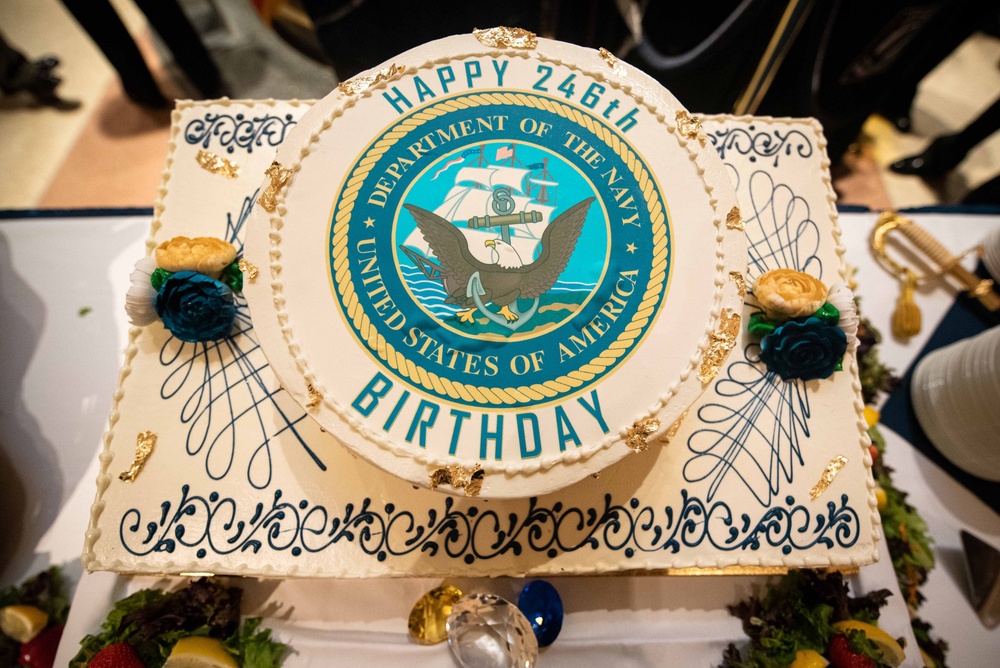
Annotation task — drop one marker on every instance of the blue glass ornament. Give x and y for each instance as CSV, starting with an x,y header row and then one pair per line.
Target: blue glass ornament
x,y
541,604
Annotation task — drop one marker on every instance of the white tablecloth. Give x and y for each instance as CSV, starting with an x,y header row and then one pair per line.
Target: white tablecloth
x,y
58,371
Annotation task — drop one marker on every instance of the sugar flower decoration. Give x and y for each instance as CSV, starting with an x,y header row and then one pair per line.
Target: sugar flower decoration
x,y
842,298
786,294
805,350
196,307
140,296
205,255
804,329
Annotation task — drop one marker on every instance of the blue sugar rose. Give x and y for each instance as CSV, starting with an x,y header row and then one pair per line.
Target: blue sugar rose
x,y
806,350
196,307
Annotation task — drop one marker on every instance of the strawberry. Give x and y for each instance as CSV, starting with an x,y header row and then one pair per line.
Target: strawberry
x,y
40,651
841,655
119,655
873,451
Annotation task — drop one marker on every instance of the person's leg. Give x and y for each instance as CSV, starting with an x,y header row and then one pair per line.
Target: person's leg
x,y
170,22
947,151
105,27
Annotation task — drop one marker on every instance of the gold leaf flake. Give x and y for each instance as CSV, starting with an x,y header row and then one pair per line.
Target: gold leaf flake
x,y
217,164
248,268
459,478
503,37
279,177
314,397
829,473
741,284
721,342
673,429
734,220
635,436
689,126
363,82
608,57
144,443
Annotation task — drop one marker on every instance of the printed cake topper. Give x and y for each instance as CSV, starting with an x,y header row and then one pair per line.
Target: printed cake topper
x,y
502,300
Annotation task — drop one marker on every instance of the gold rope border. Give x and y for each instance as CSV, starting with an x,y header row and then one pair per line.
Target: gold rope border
x,y
480,394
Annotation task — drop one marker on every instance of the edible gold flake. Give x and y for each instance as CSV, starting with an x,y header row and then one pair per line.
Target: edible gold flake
x,y
734,220
314,397
831,471
279,177
428,622
217,164
635,436
608,57
503,37
721,343
248,268
741,284
360,83
144,443
673,429
459,478
689,126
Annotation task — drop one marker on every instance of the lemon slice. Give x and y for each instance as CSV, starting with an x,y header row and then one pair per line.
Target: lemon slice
x,y
199,652
808,658
21,623
892,653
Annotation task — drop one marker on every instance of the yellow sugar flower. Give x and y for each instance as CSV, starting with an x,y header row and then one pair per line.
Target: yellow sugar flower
x,y
786,294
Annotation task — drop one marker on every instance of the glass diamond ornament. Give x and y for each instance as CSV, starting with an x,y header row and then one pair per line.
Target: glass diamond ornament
x,y
486,631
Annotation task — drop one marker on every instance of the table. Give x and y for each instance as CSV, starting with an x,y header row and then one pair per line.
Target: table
x,y
52,267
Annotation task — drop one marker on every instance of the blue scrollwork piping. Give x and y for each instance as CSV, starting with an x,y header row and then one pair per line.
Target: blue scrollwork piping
x,y
212,526
224,391
754,435
238,131
754,143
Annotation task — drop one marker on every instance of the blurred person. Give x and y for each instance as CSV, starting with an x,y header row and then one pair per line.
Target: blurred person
x,y
18,74
166,17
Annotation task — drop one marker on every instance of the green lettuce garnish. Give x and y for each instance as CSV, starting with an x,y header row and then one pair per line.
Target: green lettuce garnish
x,y
152,621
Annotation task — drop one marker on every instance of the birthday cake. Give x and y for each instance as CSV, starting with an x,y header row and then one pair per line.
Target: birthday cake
x,y
493,316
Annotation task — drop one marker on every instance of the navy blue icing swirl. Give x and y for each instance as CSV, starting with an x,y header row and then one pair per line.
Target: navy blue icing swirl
x,y
761,143
238,131
215,526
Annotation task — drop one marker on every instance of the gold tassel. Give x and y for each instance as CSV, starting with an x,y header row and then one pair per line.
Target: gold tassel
x,y
906,317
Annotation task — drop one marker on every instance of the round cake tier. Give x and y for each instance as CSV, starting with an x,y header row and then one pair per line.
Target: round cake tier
x,y
496,264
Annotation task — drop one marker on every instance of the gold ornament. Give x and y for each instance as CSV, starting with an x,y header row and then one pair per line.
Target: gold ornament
x,y
734,220
471,481
829,473
429,616
217,164
248,269
503,37
608,57
363,82
144,443
636,435
721,342
279,177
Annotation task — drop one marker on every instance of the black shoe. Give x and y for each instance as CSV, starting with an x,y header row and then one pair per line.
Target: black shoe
x,y
940,158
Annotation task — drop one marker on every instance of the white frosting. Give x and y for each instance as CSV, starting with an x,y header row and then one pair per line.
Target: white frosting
x,y
151,396
318,353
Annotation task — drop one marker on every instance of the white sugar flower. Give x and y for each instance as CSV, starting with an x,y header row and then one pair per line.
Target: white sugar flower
x,y
140,298
842,297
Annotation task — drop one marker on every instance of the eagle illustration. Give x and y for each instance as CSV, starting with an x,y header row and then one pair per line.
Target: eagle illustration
x,y
508,278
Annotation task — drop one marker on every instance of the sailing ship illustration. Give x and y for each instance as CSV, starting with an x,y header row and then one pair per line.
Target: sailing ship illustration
x,y
489,201
531,187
